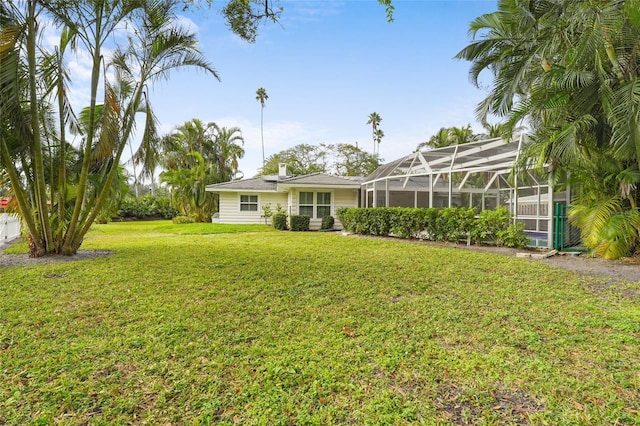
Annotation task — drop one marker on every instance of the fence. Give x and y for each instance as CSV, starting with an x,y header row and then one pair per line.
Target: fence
x,y
566,236
9,227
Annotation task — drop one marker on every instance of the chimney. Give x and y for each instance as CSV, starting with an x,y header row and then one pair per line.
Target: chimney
x,y
282,169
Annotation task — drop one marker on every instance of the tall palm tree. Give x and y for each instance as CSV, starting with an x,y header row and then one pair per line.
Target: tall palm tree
x,y
261,96
377,134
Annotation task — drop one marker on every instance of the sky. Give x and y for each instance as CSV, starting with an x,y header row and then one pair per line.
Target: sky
x,y
326,66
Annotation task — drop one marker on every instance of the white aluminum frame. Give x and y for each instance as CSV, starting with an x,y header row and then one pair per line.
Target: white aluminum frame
x,y
426,172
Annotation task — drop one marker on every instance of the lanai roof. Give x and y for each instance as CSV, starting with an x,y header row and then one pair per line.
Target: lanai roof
x,y
497,155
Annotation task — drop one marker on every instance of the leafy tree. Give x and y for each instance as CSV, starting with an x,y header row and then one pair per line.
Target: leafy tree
x,y
244,16
340,159
570,71
301,159
350,160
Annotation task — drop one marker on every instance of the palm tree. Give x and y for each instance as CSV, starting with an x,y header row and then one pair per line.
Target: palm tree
x,y
261,96
374,120
462,135
570,71
78,189
229,143
195,155
448,136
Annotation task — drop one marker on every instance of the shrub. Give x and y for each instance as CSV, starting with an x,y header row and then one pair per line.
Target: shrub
x,y
267,213
407,222
447,224
488,224
454,224
146,207
345,215
300,222
513,236
183,219
327,222
429,219
280,221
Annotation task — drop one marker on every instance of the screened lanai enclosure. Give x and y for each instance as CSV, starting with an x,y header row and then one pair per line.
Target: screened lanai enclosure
x,y
477,174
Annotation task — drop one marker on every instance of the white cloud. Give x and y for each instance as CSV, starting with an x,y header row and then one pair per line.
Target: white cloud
x,y
187,24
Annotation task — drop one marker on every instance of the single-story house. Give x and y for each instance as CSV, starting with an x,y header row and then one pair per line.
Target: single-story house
x,y
316,195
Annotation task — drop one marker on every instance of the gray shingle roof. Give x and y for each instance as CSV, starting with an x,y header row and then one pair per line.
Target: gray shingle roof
x,y
270,182
323,179
253,184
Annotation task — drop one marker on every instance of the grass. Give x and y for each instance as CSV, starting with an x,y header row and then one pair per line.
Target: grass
x,y
206,324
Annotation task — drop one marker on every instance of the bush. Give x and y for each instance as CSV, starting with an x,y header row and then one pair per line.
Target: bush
x,y
183,219
346,217
300,222
267,213
447,224
327,222
513,236
280,221
488,224
454,224
407,222
146,207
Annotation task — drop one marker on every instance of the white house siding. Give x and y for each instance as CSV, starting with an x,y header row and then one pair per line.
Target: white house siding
x,y
344,198
230,206
339,198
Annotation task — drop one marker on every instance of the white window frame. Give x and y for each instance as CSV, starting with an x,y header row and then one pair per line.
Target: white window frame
x,y
318,205
248,203
307,205
315,204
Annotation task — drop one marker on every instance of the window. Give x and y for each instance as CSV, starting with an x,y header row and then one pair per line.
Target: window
x,y
248,203
318,203
306,204
323,205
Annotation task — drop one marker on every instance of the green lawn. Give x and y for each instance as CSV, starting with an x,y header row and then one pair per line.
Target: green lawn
x,y
207,324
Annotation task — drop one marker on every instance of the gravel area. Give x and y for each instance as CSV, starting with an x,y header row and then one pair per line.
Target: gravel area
x,y
24,259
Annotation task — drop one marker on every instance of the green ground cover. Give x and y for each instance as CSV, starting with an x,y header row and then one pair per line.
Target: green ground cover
x,y
203,324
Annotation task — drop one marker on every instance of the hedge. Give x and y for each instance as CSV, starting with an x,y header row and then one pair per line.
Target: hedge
x,y
327,223
146,207
448,224
300,222
279,221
